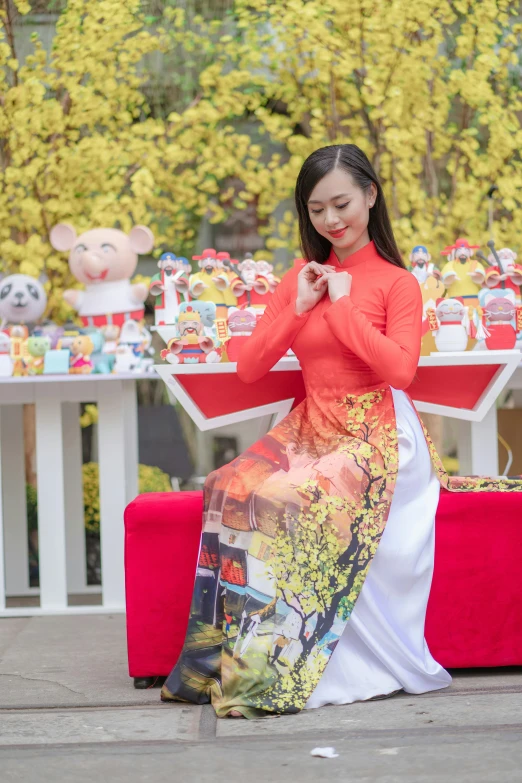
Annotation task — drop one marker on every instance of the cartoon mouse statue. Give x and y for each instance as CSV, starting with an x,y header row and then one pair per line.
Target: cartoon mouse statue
x,y
104,260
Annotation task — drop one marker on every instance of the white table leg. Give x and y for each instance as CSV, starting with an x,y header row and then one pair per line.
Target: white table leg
x,y
478,446
2,571
113,491
75,538
14,501
130,404
51,505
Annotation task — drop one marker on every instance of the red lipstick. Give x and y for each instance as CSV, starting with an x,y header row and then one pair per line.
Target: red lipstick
x,y
338,233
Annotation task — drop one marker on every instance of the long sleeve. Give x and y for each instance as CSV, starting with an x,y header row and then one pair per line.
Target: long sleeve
x,y
274,334
394,356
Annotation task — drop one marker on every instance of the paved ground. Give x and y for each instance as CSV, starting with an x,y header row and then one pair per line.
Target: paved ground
x,y
68,712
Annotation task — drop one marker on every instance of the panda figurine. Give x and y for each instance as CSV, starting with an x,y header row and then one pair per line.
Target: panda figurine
x,y
22,299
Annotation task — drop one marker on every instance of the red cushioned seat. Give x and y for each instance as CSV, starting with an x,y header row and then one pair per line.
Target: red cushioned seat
x,y
162,535
474,614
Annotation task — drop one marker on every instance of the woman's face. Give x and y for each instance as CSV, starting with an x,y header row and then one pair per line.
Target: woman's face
x,y
339,211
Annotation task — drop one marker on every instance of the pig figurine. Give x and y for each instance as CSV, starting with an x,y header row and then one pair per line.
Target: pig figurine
x,y
104,260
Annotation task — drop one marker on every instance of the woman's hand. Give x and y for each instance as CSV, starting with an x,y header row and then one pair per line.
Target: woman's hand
x,y
339,285
312,282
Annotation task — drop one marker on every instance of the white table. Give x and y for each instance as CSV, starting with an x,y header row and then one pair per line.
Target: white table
x,y
61,534
463,386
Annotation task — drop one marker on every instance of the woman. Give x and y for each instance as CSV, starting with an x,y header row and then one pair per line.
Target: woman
x,y
322,610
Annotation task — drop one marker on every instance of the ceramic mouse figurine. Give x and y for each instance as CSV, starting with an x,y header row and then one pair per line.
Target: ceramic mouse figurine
x,y
104,260
241,324
451,327
499,318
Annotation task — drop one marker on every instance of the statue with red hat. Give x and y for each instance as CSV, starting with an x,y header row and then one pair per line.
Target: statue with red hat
x,y
191,345
211,282
463,276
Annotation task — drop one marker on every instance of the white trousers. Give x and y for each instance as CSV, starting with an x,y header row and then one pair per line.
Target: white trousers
x,y
383,648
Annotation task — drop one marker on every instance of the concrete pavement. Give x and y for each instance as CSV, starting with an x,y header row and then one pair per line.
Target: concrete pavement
x,y
68,712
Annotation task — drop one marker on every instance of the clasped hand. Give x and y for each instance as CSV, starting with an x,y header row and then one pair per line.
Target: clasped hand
x,y
315,279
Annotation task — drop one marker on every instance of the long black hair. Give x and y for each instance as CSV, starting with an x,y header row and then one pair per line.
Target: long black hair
x,y
353,160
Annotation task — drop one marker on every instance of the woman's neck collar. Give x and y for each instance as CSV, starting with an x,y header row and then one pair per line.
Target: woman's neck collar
x,y
354,258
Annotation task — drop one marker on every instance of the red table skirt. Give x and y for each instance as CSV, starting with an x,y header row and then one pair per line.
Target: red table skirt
x,y
474,614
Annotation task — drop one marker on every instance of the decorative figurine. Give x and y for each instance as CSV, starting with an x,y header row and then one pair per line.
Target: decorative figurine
x,y
207,311
134,339
421,266
228,267
19,335
500,317
209,284
254,289
265,269
191,346
170,286
22,299
241,324
102,362
503,272
37,347
463,276
450,324
81,349
6,363
104,260
431,291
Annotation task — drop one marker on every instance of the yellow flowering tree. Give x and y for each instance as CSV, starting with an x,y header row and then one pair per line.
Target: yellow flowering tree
x,y
430,89
79,143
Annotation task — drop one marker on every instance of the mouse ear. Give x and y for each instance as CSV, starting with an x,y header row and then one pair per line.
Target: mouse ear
x,y
141,239
62,236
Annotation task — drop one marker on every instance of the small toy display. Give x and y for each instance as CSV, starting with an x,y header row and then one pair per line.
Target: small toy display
x,y
421,268
463,276
56,362
241,324
450,324
37,347
500,319
265,269
207,312
191,345
210,283
22,299
503,272
228,267
6,363
170,286
432,291
81,350
253,289
104,260
134,342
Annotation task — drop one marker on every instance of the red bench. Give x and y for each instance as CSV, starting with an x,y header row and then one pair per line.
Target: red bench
x,y
474,614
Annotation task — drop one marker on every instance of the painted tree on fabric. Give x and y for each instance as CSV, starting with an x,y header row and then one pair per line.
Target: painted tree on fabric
x,y
430,89
319,572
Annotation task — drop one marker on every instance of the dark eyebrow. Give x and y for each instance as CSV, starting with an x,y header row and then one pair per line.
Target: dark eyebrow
x,y
334,198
